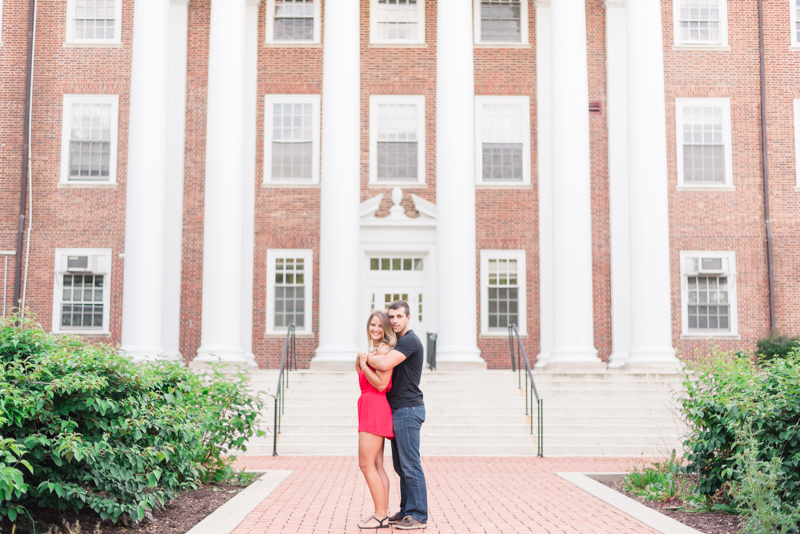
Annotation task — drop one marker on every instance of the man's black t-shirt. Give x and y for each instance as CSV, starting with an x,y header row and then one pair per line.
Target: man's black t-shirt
x,y
405,392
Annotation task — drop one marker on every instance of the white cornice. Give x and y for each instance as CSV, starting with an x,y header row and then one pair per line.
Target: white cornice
x,y
613,3
541,3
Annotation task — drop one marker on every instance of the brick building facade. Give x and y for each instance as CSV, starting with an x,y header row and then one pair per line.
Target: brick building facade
x,y
84,89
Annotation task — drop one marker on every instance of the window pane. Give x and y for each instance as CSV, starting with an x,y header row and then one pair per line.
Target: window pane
x,y
90,141
503,293
501,21
82,307
700,21
397,150
94,19
710,290
294,20
290,293
703,145
397,20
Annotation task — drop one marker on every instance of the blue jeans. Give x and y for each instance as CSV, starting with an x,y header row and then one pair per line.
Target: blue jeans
x,y
405,457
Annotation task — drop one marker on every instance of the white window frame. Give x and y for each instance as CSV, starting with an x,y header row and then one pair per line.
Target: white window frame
x,y
373,26
270,29
730,257
65,133
794,21
271,99
60,269
1,22
796,104
308,260
524,40
725,103
374,102
525,103
723,29
70,39
522,278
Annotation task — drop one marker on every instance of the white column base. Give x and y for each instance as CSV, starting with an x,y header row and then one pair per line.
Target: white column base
x,y
147,354
336,353
653,367
459,358
574,355
541,360
653,355
223,354
617,360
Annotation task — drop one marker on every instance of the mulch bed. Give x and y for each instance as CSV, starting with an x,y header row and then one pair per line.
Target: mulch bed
x,y
705,522
177,517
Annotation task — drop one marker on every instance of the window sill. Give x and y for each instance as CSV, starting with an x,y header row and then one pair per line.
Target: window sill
x,y
92,45
504,186
80,334
795,47
718,48
279,335
500,335
705,188
288,185
292,44
397,45
402,185
711,336
502,45
797,188
86,185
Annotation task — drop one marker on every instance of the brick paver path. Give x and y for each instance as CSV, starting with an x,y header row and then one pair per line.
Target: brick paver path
x,y
465,495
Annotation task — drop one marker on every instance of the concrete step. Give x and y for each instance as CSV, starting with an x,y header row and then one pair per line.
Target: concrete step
x,y
427,438
427,429
611,439
445,449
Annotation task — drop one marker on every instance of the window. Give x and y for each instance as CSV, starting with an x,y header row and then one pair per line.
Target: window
x,y
395,264
704,142
503,140
291,148
795,18
797,140
93,21
293,21
89,139
503,293
289,290
397,139
701,22
397,21
81,291
708,293
501,22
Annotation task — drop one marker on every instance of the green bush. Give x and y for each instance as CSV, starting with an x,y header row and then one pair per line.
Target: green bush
x,y
778,345
81,426
724,392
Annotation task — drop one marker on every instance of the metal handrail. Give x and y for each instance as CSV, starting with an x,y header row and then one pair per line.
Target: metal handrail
x,y
517,356
290,354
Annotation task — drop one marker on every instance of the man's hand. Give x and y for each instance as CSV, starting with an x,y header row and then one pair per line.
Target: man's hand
x,y
386,362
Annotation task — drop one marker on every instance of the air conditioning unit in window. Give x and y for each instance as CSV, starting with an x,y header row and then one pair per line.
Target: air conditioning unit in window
x,y
81,264
711,266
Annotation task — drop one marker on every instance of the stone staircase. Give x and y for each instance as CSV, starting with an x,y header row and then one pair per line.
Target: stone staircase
x,y
482,413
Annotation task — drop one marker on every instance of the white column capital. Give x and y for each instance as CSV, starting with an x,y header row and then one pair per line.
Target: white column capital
x,y
251,3
613,3
184,3
541,3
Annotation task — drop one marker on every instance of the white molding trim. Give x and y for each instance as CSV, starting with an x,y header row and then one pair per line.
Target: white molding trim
x,y
308,288
796,105
66,118
524,103
70,27
524,30
725,104
374,102
60,269
522,283
373,27
269,101
729,257
722,44
793,17
270,29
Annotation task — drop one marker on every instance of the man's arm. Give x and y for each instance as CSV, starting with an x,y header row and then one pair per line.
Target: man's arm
x,y
389,361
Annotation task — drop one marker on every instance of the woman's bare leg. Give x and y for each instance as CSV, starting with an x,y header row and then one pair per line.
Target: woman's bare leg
x,y
368,447
382,471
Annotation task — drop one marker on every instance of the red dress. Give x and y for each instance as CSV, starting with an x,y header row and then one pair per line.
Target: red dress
x,y
374,413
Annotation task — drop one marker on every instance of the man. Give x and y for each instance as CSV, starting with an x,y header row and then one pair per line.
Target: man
x,y
408,414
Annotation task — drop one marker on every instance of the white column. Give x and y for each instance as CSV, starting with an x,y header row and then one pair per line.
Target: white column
x,y
221,333
651,320
173,242
455,186
249,194
544,164
146,183
340,183
573,328
616,112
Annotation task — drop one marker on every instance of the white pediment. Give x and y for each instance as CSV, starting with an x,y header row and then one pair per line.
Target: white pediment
x,y
397,213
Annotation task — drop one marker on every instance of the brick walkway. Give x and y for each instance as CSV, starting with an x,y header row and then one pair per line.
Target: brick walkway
x,y
465,495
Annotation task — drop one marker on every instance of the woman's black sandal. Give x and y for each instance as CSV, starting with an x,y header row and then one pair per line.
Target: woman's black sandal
x,y
363,524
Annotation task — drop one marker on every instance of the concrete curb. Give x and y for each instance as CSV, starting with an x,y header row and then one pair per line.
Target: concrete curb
x,y
227,517
588,482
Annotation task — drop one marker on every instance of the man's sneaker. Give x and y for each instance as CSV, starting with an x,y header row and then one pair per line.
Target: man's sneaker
x,y
409,523
395,518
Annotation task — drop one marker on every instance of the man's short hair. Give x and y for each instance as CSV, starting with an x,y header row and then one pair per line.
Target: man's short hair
x,y
396,305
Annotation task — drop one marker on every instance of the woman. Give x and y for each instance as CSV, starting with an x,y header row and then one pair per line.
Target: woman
x,y
375,418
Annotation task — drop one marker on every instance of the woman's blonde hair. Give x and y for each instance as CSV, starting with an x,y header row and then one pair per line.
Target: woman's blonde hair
x,y
388,334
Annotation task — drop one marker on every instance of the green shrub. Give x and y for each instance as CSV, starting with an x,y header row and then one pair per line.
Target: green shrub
x,y
723,393
103,432
758,487
778,345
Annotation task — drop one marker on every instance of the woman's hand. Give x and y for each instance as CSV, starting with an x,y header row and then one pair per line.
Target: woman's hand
x,y
363,358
